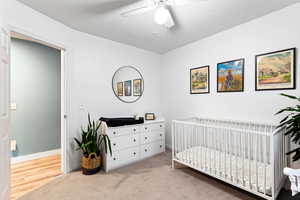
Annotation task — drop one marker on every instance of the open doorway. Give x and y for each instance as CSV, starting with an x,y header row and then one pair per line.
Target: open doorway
x,y
37,113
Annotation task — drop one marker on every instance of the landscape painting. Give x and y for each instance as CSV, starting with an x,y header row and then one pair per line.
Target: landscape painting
x,y
137,87
127,87
231,76
199,80
120,88
276,70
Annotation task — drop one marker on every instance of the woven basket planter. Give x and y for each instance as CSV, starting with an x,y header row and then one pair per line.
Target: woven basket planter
x,y
91,165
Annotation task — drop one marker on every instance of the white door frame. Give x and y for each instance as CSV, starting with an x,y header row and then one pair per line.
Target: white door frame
x,y
4,112
64,90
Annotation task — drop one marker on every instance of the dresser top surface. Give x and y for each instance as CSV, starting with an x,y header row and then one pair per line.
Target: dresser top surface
x,y
147,122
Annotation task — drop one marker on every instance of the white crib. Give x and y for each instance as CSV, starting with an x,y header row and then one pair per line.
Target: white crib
x,y
250,156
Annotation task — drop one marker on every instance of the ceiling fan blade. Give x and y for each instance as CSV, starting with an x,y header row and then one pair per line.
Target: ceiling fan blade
x,y
187,2
137,11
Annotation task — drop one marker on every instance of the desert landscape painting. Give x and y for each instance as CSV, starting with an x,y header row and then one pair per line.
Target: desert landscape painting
x,y
231,76
275,70
199,80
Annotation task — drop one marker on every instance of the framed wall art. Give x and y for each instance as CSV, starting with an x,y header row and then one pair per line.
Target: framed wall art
x,y
120,89
149,116
276,70
137,87
199,80
230,76
127,88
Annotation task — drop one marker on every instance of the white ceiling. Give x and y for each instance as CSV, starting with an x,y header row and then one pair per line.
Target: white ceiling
x,y
102,18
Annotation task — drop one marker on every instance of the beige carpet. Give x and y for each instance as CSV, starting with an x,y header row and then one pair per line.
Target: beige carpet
x,y
151,179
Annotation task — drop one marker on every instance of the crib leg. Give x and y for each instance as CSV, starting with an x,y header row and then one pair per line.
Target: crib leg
x,y
176,165
173,164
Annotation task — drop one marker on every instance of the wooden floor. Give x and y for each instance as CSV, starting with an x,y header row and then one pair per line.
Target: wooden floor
x,y
29,175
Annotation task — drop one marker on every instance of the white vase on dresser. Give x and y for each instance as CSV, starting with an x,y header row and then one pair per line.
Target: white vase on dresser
x,y
134,143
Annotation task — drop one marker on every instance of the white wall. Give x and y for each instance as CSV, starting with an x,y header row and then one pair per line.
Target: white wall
x,y
276,31
91,63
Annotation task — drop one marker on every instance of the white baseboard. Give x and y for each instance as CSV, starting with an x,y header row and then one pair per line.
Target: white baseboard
x,y
19,159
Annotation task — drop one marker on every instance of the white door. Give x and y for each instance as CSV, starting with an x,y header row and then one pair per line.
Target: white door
x,y
4,113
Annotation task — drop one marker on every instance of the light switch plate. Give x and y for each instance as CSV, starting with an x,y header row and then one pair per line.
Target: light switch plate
x,y
13,145
13,106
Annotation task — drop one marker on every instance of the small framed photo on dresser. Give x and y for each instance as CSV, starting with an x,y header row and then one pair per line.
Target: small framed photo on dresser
x,y
150,116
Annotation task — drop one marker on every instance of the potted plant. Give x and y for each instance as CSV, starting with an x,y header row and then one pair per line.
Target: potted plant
x,y
292,124
93,141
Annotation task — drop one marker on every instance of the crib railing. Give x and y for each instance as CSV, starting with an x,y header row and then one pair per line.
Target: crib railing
x,y
247,155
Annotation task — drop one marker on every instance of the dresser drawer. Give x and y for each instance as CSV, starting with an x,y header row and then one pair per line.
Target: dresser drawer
x,y
153,127
148,137
152,149
125,141
115,132
122,157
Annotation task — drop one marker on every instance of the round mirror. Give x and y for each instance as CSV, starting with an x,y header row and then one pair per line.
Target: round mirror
x,y
128,84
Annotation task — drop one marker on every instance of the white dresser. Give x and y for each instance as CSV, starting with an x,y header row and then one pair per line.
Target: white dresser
x,y
135,142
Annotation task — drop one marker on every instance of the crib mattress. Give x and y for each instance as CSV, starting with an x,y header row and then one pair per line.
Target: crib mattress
x,y
229,167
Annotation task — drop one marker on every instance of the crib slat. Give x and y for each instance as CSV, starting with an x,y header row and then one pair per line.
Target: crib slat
x,y
197,144
225,152
173,143
189,144
256,160
236,158
215,150
264,162
202,139
230,151
250,159
193,145
244,157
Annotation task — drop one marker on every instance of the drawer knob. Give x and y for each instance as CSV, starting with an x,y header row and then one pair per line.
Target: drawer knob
x,y
114,158
114,144
145,150
160,125
134,140
146,128
160,134
134,153
160,146
114,133
134,129
146,138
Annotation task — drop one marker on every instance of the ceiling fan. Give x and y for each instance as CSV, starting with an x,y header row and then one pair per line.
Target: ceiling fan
x,y
162,14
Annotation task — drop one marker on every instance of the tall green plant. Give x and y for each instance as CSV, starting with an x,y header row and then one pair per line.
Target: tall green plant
x,y
92,140
292,123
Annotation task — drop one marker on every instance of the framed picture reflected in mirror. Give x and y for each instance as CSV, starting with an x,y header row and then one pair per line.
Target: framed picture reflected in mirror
x,y
120,89
127,87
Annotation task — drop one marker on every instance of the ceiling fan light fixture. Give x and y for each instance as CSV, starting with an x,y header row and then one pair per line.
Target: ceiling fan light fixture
x,y
161,15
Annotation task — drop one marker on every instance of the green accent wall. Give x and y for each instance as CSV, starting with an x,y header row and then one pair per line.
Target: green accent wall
x,y
35,88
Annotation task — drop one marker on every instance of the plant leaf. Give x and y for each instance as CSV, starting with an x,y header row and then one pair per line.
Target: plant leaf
x,y
289,96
